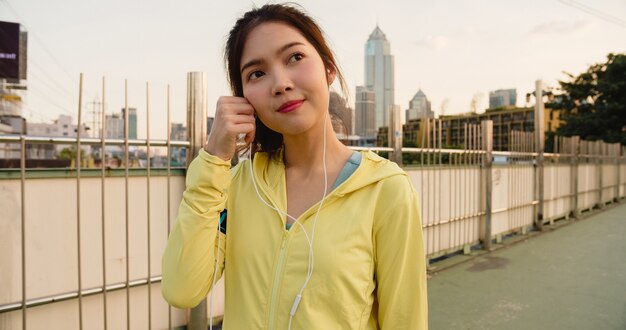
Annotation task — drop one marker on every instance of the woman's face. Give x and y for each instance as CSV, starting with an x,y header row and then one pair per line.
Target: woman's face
x,y
284,79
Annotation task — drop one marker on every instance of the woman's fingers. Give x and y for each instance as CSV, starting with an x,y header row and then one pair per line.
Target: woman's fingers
x,y
241,119
234,105
233,116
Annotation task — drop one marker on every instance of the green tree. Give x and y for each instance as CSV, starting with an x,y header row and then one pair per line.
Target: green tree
x,y
595,102
70,153
67,153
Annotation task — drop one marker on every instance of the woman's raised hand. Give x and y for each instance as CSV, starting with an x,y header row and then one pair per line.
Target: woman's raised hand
x,y
233,116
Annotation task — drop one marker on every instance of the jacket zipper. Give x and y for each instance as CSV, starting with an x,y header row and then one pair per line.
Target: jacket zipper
x,y
279,268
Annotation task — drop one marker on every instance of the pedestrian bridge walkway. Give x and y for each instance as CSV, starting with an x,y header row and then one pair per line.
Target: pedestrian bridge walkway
x,y
573,277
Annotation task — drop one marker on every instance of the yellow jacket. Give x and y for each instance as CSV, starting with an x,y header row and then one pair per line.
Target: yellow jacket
x,y
369,254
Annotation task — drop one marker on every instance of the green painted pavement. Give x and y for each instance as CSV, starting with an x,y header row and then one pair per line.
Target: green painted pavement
x,y
570,278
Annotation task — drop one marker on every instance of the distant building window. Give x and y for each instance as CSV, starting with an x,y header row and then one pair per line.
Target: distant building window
x,y
64,126
64,133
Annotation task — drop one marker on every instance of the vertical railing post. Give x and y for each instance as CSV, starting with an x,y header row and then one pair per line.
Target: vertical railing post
x,y
23,219
78,166
487,130
599,155
169,187
103,172
622,157
196,112
196,130
615,149
395,134
539,146
575,150
126,204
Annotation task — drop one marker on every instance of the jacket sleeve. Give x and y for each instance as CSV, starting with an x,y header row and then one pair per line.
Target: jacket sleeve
x,y
400,263
188,262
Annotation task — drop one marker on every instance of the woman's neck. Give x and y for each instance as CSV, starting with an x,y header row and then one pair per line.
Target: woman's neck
x,y
304,152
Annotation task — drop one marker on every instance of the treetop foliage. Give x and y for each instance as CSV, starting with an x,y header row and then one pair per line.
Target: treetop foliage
x,y
595,102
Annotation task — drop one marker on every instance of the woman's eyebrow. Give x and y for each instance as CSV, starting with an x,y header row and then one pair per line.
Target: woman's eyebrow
x,y
287,46
250,63
280,50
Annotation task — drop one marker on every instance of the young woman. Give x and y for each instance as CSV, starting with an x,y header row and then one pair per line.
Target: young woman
x,y
319,236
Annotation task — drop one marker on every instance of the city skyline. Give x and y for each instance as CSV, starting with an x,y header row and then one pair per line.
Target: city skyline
x,y
454,51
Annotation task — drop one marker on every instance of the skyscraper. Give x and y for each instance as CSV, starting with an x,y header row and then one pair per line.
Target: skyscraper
x,y
379,75
178,132
114,124
365,112
502,98
419,107
132,122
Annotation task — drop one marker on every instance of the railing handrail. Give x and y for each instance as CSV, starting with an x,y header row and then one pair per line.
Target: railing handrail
x,y
30,139
16,138
13,306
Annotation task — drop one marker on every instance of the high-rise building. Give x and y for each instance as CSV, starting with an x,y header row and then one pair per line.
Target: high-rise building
x,y
419,107
178,132
132,122
379,75
502,98
365,116
115,125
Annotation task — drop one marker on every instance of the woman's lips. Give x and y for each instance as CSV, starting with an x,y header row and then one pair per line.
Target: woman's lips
x,y
290,106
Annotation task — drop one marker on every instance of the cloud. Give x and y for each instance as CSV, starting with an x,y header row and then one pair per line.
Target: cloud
x,y
558,27
432,42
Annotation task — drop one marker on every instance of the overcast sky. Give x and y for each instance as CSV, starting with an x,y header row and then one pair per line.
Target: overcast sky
x,y
450,49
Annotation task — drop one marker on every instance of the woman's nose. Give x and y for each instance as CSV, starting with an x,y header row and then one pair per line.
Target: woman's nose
x,y
282,83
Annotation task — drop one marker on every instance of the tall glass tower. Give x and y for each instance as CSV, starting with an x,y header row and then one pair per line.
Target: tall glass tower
x,y
379,74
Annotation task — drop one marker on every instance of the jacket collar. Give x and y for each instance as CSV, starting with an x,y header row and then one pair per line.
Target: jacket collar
x,y
269,173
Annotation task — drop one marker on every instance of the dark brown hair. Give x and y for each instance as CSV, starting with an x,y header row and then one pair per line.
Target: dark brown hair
x,y
267,140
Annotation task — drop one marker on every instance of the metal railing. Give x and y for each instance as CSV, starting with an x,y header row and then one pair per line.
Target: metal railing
x,y
470,197
8,318
474,196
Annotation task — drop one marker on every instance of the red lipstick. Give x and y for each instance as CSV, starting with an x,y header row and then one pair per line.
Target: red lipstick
x,y
290,106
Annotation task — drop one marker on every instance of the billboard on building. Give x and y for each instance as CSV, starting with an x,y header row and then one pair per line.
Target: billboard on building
x,y
9,50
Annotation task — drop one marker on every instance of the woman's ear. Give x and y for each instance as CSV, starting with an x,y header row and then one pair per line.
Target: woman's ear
x,y
330,76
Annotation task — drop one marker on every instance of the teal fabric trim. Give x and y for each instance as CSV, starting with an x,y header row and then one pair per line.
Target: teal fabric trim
x,y
351,165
